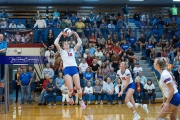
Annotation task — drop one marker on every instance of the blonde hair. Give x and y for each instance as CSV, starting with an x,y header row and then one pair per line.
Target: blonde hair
x,y
162,62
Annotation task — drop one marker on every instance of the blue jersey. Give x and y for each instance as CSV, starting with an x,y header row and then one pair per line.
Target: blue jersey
x,y
25,78
149,46
132,40
125,47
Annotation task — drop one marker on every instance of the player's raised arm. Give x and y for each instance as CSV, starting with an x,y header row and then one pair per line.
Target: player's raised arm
x,y
79,42
56,42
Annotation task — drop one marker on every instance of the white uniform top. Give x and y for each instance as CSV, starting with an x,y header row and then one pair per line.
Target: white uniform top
x,y
123,76
166,78
68,57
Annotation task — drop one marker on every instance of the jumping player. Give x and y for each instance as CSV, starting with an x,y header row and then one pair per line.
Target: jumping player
x,y
169,88
129,88
71,74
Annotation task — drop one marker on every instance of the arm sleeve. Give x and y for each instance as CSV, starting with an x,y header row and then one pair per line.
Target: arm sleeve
x,y
166,79
35,24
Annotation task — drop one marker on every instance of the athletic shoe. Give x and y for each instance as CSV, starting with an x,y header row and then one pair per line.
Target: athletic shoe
x,y
54,104
101,102
67,104
89,102
136,116
40,104
49,104
96,102
83,106
44,104
71,102
144,106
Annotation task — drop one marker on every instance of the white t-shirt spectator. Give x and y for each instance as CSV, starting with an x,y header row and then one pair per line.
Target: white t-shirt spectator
x,y
83,66
149,87
47,54
20,26
3,24
40,24
137,69
12,25
111,26
64,88
98,54
88,89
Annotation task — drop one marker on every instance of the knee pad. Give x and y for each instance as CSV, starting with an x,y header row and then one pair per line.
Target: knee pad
x,y
136,105
129,105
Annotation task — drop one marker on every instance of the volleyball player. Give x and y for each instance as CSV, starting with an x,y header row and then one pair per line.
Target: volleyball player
x,y
169,88
71,74
129,88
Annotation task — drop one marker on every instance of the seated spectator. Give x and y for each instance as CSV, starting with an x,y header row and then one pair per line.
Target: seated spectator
x,y
50,92
94,66
138,94
84,41
56,15
99,76
74,18
102,40
12,25
174,26
59,82
47,53
63,24
149,91
158,48
65,96
20,25
1,90
131,57
85,53
105,69
118,89
91,50
3,23
98,53
143,79
132,41
48,71
83,66
115,59
141,42
92,39
125,46
137,69
42,99
51,59
109,91
79,58
112,75
68,21
88,76
99,61
88,92
163,41
89,59
153,55
111,27
97,91
117,49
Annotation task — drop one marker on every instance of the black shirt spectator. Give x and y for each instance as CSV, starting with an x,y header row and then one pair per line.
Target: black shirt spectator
x,y
50,38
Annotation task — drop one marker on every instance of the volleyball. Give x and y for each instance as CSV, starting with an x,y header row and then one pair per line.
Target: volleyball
x,y
68,31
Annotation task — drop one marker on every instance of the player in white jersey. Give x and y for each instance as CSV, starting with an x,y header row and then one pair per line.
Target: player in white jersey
x,y
70,67
169,88
129,88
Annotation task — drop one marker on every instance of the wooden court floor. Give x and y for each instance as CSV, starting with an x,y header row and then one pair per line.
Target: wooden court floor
x,y
92,112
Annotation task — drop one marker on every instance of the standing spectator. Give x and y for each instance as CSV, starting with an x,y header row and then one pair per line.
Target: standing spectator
x,y
118,89
48,53
142,78
98,92
65,96
56,15
3,23
83,66
88,76
12,25
139,90
59,82
126,14
48,71
42,99
33,83
3,48
4,15
50,38
109,90
28,23
25,80
88,92
80,26
20,25
51,92
150,91
41,24
16,78
174,11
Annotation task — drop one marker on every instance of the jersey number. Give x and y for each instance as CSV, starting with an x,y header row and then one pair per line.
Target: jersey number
x,y
69,54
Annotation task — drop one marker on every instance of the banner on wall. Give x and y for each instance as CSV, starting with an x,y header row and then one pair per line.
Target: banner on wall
x,y
18,36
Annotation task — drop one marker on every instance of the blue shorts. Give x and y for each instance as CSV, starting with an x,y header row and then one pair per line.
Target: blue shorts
x,y
33,86
175,99
70,71
131,85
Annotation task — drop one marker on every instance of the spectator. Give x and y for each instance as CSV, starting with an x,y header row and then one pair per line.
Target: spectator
x,y
98,53
163,41
89,59
84,41
153,55
12,25
50,38
79,59
111,27
3,48
20,25
179,79
132,41
86,54
158,49
149,47
25,80
138,91
117,48
65,95
4,15
88,92
63,24
92,39
137,16
99,45
33,83
137,69
174,11
48,53
153,40
41,24
68,21
131,57
142,78
174,27
3,23
83,66
118,89
1,90
59,82
80,26
115,59
125,46
99,76
94,66
56,15
74,18
176,65
101,39
28,24
105,69
88,76
16,78
50,88
150,91
98,92
112,75
87,31
141,42
48,71
91,50
109,90
167,27
126,13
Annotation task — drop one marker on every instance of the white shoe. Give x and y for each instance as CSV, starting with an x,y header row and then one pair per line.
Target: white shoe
x,y
144,106
49,104
83,106
54,104
89,102
101,102
96,102
136,117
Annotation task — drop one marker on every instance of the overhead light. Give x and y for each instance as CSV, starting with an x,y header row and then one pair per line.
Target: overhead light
x,y
135,0
87,7
176,0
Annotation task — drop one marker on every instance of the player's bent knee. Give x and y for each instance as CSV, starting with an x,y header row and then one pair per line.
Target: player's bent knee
x,y
79,91
129,105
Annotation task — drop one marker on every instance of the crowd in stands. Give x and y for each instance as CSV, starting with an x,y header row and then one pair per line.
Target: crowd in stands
x,y
107,41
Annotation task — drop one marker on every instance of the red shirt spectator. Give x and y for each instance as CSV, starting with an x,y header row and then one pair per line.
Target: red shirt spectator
x,y
117,48
45,82
92,38
89,60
